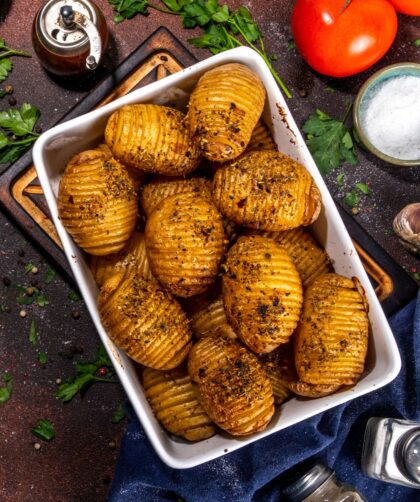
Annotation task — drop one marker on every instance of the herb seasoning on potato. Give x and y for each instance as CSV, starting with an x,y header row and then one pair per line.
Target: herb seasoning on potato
x,y
97,201
231,385
185,242
144,320
262,293
224,108
266,190
331,341
151,138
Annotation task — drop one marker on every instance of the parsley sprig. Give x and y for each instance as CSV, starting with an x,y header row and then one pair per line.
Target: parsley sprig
x,y
223,29
86,375
6,64
44,430
18,131
6,390
329,141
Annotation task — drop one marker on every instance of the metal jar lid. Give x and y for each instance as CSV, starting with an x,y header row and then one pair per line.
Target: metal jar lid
x,y
67,27
408,455
308,483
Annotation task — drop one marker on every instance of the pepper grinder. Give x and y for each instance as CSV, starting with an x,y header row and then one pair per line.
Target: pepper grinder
x,y
70,36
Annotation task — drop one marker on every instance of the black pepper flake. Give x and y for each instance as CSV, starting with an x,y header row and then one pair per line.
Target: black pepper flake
x,y
202,372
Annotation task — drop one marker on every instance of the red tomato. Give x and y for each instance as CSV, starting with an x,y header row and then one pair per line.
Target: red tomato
x,y
343,37
410,7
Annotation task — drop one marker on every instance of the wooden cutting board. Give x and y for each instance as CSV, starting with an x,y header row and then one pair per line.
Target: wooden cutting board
x,y
162,54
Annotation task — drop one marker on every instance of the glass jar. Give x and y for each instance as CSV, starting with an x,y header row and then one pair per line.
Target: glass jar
x,y
320,484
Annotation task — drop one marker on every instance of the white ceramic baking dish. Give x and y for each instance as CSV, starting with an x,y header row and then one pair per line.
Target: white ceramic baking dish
x,y
55,147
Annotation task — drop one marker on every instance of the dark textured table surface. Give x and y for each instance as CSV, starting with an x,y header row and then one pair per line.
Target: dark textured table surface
x,y
78,463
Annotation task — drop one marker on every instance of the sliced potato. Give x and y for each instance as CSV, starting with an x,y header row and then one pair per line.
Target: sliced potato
x,y
151,138
262,293
144,320
331,341
97,201
162,187
174,402
210,319
224,108
185,242
310,259
133,255
309,390
261,138
266,190
280,368
231,385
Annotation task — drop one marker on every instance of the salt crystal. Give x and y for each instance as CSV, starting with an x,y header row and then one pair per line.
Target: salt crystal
x,y
391,117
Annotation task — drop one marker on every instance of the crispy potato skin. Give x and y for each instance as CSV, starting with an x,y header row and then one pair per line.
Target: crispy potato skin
x,y
280,368
231,385
332,339
97,202
313,391
262,293
174,402
309,258
162,187
224,108
144,320
151,138
185,242
210,319
266,190
261,138
133,255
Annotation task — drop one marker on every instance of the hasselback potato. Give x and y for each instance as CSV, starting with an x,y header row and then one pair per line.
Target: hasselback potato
x,y
309,258
309,390
97,201
261,138
224,108
133,255
280,368
162,187
266,190
262,293
151,138
185,242
231,385
175,404
331,341
210,319
144,320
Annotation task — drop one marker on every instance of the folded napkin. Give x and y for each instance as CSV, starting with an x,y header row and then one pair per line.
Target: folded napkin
x,y
257,472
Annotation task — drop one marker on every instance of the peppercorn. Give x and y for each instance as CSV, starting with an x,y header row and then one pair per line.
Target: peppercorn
x,y
103,371
22,313
12,101
37,446
302,93
7,309
8,89
58,381
34,270
30,291
6,281
21,253
75,314
112,445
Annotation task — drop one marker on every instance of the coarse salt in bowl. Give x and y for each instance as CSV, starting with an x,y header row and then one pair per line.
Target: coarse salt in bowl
x,y
386,114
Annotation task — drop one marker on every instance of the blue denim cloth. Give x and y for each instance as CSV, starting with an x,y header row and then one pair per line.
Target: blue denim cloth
x,y
253,472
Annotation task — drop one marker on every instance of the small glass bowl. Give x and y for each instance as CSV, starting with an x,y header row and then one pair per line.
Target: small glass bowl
x,y
395,70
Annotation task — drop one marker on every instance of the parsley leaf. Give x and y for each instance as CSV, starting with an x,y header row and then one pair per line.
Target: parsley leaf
x,y
44,430
49,276
416,42
329,142
20,122
351,199
33,337
362,187
6,391
127,9
340,180
42,358
74,297
28,267
5,67
86,375
119,414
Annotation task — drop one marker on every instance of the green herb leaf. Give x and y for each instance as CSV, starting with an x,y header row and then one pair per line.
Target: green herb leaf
x,y
119,414
41,300
340,180
291,44
6,391
13,152
329,142
86,375
215,39
20,122
5,67
127,9
28,267
49,276
362,187
74,297
44,430
351,199
33,337
42,358
416,42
